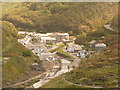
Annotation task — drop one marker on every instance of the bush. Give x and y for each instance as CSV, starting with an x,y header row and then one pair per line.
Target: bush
x,y
26,53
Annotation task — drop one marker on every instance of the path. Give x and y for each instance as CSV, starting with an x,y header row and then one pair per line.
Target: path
x,y
20,83
80,84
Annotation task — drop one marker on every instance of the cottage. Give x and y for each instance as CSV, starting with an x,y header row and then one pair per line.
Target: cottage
x,y
100,46
73,47
47,39
22,32
60,36
77,47
92,43
47,56
25,40
82,53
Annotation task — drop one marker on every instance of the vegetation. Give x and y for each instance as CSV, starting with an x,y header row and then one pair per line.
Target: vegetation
x,y
16,65
27,53
59,82
84,20
63,53
74,18
114,23
53,50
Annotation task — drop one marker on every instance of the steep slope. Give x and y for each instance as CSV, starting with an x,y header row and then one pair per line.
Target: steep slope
x,y
74,18
15,65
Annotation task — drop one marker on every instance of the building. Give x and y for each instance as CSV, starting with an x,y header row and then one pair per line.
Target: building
x,y
22,32
92,43
25,40
60,37
47,39
77,47
47,56
73,47
100,46
82,53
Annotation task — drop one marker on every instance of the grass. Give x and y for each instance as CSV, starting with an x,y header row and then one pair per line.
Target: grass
x,y
17,64
64,54
58,82
53,50
99,70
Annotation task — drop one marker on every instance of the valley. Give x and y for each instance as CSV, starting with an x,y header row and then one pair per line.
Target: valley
x,y
60,45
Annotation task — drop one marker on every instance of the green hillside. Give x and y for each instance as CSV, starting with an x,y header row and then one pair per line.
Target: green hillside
x,y
15,65
74,18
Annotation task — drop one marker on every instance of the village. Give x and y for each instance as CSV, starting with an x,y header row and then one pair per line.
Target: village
x,y
45,47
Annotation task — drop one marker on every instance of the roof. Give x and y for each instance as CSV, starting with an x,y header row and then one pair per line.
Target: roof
x,y
21,32
39,34
48,38
100,45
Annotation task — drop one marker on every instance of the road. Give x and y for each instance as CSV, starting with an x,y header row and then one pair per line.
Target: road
x,y
47,78
64,68
87,86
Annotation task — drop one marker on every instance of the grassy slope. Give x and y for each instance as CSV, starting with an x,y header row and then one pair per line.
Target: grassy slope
x,y
17,64
59,82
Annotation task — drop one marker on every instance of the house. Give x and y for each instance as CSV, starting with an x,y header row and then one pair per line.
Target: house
x,y
73,47
92,43
82,53
60,37
25,40
70,47
47,56
100,46
22,32
77,47
47,39
37,48
41,35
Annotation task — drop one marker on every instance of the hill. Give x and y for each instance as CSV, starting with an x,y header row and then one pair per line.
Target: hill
x,y
15,64
74,18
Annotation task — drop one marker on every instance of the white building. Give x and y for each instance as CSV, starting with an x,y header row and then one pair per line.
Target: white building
x,y
45,39
73,47
22,32
25,40
47,56
60,36
100,46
